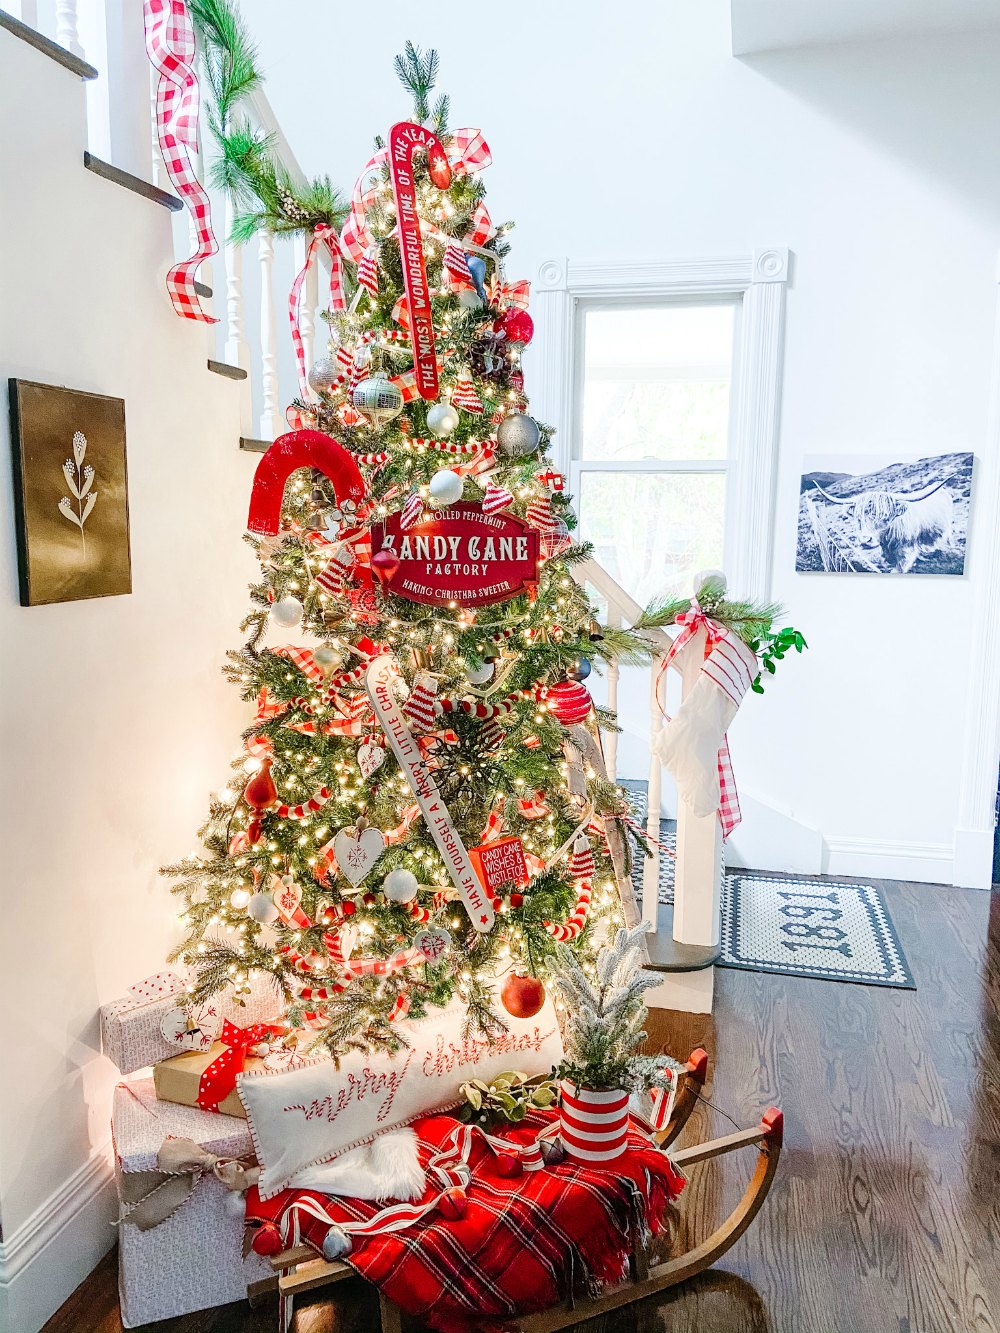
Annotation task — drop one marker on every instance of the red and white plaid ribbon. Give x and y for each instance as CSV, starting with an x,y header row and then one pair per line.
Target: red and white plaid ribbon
x,y
504,294
323,235
533,807
170,45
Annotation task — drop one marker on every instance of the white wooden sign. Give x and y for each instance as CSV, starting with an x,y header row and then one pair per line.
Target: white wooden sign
x,y
380,678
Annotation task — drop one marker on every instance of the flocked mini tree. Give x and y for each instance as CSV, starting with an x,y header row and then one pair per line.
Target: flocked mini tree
x,y
452,561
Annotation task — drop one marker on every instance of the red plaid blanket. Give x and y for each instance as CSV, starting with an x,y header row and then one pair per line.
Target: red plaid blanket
x,y
522,1241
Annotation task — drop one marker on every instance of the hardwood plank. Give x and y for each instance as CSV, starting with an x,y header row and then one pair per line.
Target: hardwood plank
x,y
884,1215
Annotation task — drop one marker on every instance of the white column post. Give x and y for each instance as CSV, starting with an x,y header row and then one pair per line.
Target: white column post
x,y
651,864
25,10
268,340
698,872
237,353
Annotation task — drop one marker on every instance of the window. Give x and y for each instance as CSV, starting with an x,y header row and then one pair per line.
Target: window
x,y
653,445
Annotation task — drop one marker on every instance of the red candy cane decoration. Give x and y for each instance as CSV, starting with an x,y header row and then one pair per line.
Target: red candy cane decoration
x,y
314,803
577,918
300,448
404,139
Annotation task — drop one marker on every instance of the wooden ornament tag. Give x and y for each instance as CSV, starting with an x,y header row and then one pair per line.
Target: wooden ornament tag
x,y
432,943
357,852
371,757
190,1029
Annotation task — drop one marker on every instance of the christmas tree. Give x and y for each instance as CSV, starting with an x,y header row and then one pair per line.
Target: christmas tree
x,y
436,565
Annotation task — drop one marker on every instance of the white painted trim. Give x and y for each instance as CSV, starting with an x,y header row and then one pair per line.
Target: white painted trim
x,y
875,858
759,280
46,1258
981,747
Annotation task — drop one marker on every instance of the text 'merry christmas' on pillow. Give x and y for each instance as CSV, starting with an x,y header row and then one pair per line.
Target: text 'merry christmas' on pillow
x,y
313,1113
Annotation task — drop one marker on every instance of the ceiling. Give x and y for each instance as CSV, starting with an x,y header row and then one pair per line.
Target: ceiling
x,y
768,25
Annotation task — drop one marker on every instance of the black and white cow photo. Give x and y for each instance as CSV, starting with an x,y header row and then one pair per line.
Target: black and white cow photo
x,y
899,518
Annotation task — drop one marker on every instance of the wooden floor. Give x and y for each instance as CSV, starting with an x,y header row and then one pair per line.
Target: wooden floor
x,y
885,1214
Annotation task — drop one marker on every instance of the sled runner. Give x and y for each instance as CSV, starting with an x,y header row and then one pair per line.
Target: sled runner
x,y
300,1270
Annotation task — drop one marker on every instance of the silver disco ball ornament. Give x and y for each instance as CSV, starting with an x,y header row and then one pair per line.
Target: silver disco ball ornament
x,y
323,373
518,435
442,419
378,398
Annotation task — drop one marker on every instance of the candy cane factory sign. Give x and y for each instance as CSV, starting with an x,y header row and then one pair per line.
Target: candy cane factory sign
x,y
460,555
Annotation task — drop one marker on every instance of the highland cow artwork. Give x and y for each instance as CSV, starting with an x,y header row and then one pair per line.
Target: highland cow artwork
x,y
857,517
71,494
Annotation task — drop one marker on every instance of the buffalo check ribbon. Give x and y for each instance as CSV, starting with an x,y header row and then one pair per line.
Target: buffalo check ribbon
x,y
170,45
219,1078
323,235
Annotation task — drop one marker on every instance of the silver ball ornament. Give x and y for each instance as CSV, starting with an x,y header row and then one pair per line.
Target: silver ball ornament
x,y
328,659
335,1243
378,398
481,674
323,373
400,886
469,299
261,909
446,487
518,435
442,419
287,612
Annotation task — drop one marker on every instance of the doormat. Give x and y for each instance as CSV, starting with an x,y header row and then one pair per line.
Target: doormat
x,y
803,926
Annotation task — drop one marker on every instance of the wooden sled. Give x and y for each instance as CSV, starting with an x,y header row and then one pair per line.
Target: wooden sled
x,y
299,1270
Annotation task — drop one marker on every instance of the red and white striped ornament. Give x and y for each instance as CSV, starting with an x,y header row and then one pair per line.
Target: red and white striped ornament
x,y
496,498
411,512
569,702
581,860
465,397
420,708
576,920
456,262
368,272
539,514
306,808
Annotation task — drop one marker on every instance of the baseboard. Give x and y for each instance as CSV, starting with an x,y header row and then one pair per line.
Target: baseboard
x,y
47,1257
973,867
875,858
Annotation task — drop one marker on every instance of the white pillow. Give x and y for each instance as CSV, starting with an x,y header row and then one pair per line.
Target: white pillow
x,y
316,1111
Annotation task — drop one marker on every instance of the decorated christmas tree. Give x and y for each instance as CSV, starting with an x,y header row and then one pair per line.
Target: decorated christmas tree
x,y
422,809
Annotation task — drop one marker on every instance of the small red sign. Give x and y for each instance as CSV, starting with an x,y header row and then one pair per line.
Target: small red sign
x,y
460,555
499,863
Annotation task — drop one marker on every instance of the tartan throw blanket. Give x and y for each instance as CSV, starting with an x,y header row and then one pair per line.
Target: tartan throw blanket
x,y
523,1241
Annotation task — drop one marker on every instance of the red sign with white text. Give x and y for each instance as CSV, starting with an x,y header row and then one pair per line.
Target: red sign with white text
x,y
499,863
460,555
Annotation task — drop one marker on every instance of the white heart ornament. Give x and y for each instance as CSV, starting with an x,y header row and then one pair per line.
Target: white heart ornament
x,y
432,943
356,853
371,757
190,1029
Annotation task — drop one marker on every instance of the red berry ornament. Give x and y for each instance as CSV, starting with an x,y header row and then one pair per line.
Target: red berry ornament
x,y
518,326
267,1240
522,996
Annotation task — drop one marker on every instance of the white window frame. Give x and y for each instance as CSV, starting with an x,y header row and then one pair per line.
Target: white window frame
x,y
757,282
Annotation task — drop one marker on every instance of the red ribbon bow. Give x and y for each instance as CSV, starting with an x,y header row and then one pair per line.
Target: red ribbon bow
x,y
219,1078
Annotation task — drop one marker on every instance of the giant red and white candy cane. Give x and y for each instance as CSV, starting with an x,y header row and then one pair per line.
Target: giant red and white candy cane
x,y
300,448
380,680
315,802
404,140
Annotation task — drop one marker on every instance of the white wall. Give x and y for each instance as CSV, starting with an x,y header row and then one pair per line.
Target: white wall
x,y
874,162
116,719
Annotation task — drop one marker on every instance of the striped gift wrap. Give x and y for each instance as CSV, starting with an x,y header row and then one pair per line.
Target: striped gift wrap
x,y
593,1124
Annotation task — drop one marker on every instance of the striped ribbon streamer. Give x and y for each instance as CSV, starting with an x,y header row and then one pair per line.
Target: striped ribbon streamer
x,y
323,235
170,45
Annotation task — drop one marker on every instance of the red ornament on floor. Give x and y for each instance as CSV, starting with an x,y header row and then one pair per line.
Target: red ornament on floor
x,y
522,996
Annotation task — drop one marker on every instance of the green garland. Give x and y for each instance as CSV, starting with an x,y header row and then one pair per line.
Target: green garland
x,y
247,168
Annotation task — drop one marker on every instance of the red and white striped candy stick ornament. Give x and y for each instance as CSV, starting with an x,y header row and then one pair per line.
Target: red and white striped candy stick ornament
x,y
306,808
420,707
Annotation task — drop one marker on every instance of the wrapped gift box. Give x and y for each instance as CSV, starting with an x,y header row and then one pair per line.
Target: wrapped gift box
x,y
131,1027
178,1079
194,1259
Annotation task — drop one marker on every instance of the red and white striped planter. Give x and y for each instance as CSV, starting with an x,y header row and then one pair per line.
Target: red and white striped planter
x,y
593,1125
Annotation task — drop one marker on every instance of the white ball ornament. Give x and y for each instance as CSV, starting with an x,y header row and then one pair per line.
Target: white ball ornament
x,y
469,299
261,909
714,577
481,674
287,612
442,419
400,886
235,1203
446,487
239,899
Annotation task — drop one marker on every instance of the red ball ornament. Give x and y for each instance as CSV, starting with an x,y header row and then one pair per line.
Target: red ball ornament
x,y
569,702
453,1203
516,899
522,996
267,1240
508,1164
384,566
260,794
518,326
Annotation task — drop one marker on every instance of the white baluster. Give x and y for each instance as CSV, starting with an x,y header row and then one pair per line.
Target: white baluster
x,y
651,864
268,340
237,353
611,739
67,33
25,10
159,174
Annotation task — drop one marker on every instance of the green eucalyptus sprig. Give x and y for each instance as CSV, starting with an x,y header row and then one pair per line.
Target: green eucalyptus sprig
x,y
506,1099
